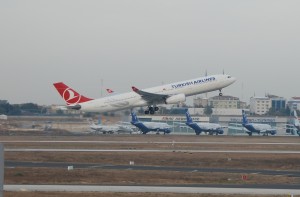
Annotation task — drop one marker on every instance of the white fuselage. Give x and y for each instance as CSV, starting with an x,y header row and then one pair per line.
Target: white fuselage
x,y
111,128
156,125
132,99
259,127
209,126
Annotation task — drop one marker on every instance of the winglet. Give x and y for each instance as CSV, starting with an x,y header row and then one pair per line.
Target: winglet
x,y
135,89
109,91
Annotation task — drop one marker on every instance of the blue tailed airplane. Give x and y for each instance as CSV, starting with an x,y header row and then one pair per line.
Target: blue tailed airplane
x,y
265,129
211,128
146,127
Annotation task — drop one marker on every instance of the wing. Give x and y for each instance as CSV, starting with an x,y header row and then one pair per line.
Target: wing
x,y
151,97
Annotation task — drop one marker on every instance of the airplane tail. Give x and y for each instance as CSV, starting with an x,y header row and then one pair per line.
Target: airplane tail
x,y
134,118
188,117
296,118
70,96
245,120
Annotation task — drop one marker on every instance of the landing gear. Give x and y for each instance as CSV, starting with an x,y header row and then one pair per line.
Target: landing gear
x,y
220,93
151,110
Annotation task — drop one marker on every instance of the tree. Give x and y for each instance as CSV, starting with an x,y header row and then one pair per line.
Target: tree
x,y
281,112
208,110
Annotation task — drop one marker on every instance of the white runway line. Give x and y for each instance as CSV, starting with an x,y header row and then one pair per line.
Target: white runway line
x,y
149,150
152,142
149,189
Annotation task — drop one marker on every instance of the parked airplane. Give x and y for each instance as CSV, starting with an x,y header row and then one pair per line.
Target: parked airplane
x,y
146,127
211,128
110,129
265,129
296,123
166,94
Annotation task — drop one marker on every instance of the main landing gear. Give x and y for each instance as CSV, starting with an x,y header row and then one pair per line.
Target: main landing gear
x,y
151,110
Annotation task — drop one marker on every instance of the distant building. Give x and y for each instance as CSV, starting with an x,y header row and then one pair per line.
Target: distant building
x,y
294,103
243,105
278,103
216,112
200,102
225,102
260,105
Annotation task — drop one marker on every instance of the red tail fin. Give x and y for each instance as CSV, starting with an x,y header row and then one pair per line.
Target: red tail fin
x,y
69,95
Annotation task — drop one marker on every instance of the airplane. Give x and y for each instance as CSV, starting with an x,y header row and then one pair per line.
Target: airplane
x,y
296,125
172,93
257,128
110,129
146,127
211,128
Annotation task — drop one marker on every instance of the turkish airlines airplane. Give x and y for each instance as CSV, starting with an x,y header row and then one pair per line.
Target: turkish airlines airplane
x,y
172,93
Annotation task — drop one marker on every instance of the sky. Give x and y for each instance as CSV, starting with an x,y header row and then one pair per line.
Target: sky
x,y
146,43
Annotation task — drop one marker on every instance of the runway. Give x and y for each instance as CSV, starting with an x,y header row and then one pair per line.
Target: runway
x,y
151,142
293,148
152,189
14,164
149,150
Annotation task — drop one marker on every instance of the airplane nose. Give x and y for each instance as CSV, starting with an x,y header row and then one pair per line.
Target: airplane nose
x,y
233,79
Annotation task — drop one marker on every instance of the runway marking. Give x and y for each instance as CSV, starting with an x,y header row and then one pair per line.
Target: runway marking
x,y
150,189
153,142
150,150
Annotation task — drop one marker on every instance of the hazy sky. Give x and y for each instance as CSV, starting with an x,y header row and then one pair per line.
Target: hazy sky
x,y
145,43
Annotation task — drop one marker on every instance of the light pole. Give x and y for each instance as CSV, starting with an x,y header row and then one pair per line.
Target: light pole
x,y
1,169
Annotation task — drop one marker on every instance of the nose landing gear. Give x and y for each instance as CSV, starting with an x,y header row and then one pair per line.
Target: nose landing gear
x,y
220,93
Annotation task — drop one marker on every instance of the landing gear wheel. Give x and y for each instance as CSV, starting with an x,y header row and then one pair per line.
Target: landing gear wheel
x,y
147,112
156,108
220,94
151,110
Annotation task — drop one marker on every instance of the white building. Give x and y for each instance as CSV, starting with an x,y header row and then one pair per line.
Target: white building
x,y
294,103
229,102
216,112
260,105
